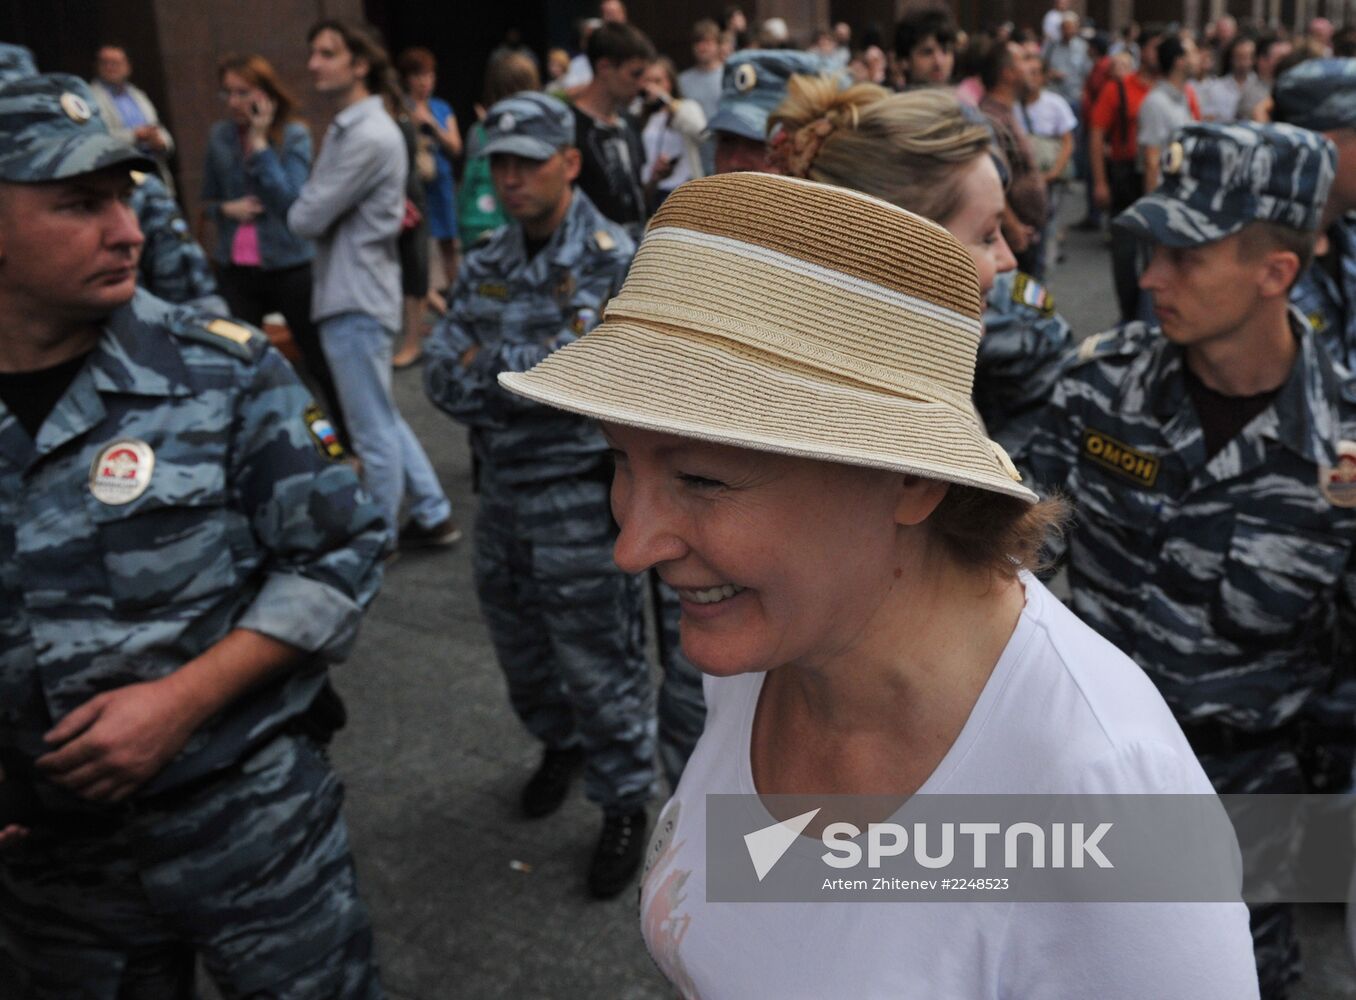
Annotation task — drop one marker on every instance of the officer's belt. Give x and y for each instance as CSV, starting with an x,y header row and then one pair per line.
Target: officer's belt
x,y
1211,737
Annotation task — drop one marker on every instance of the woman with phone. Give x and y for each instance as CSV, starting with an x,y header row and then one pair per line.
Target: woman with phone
x,y
258,157
671,133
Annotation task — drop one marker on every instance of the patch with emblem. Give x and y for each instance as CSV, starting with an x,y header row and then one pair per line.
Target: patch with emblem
x,y
76,108
121,472
496,290
322,431
745,78
1337,482
227,330
1139,467
603,240
1173,157
584,321
1027,291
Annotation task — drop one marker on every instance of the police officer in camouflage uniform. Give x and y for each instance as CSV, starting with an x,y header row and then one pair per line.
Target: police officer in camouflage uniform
x,y
752,85
1024,351
565,622
173,266
181,554
1212,463
1320,94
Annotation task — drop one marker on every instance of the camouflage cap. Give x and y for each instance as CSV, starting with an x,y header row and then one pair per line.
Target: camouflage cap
x,y
1319,94
50,129
528,124
16,62
1219,178
753,84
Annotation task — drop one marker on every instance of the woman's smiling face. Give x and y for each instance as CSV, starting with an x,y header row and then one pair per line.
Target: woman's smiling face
x,y
775,558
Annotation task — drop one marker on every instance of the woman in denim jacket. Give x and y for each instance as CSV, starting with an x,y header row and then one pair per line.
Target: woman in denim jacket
x,y
257,160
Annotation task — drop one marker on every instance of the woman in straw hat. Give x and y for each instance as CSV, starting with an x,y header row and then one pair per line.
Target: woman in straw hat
x,y
925,151
785,382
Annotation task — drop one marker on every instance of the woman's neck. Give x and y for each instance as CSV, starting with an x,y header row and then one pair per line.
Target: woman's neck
x,y
879,716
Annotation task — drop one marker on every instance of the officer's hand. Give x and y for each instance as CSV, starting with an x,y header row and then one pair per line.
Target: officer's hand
x,y
11,833
117,741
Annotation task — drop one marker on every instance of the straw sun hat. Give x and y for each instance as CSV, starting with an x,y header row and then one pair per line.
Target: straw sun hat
x,y
781,315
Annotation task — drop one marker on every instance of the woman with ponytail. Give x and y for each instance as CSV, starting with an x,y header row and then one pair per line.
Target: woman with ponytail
x,y
925,151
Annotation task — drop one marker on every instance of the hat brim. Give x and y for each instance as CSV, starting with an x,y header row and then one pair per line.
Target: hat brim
x,y
519,145
1170,222
726,120
73,157
698,386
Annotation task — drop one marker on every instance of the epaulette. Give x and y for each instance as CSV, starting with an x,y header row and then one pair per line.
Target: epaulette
x,y
227,335
602,240
1122,341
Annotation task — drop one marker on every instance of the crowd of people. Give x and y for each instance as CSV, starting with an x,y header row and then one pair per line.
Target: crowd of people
x,y
762,345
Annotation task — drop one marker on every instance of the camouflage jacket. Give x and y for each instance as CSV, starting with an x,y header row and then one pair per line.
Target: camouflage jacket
x,y
173,266
1230,581
1329,304
183,486
517,311
1023,352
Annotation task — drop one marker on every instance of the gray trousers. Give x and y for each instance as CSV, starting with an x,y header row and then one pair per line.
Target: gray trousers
x,y
250,871
568,629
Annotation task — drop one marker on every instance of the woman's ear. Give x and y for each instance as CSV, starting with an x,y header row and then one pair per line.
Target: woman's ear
x,y
918,498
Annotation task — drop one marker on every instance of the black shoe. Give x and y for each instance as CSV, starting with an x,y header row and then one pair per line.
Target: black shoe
x,y
546,790
621,846
442,534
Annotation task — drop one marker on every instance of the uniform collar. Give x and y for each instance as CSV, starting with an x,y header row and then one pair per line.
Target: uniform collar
x,y
127,360
1302,417
566,244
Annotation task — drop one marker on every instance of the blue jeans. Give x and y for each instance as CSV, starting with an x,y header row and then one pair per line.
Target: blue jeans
x,y
395,467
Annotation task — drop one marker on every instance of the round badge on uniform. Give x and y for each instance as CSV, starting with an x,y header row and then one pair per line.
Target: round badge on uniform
x,y
506,123
745,78
76,108
1337,482
121,472
1173,157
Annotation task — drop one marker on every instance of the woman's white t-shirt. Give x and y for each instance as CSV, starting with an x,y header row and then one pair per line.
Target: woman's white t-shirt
x,y
1063,711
